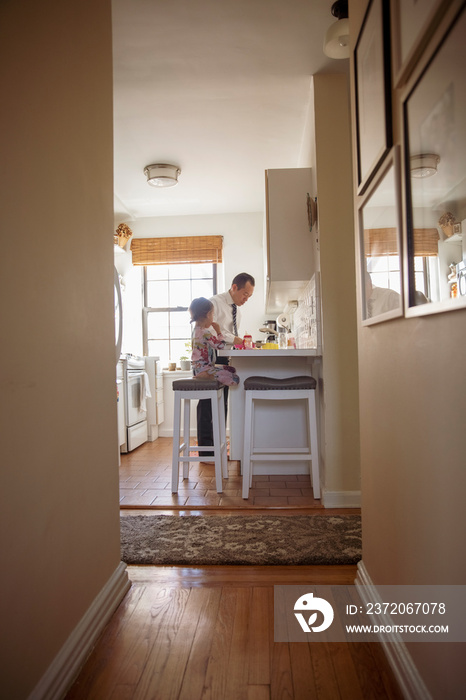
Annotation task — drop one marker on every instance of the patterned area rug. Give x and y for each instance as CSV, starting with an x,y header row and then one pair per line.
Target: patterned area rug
x,y
241,539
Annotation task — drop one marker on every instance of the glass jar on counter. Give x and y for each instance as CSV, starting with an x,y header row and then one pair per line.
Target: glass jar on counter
x,y
247,342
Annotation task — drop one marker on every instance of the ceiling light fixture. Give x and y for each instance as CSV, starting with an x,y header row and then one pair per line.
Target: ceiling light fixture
x,y
424,165
162,175
336,42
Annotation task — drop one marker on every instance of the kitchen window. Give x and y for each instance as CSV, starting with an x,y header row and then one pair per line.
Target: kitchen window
x,y
385,271
168,291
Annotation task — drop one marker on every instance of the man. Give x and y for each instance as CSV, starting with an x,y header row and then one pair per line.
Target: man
x,y
228,317
379,299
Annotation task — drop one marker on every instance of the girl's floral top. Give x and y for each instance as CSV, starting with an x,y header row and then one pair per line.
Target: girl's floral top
x,y
204,344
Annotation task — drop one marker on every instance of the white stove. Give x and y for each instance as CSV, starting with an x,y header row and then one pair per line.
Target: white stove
x,y
137,393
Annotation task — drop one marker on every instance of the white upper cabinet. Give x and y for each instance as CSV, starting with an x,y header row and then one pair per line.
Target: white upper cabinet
x,y
289,242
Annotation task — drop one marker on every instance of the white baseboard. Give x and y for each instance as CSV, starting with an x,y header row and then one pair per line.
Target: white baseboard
x,y
398,656
341,499
71,657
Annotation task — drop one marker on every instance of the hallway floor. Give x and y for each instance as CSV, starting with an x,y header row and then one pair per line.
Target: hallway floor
x,y
206,633
145,480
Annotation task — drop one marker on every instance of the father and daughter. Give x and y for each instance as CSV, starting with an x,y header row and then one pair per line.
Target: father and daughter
x,y
205,344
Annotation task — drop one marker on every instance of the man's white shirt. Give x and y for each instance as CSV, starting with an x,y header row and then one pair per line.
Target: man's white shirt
x,y
223,315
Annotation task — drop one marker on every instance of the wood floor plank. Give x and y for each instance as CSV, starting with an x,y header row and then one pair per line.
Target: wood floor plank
x,y
301,669
133,650
201,649
325,679
281,686
238,662
164,673
392,689
217,667
159,610
346,673
258,692
122,692
260,633
368,673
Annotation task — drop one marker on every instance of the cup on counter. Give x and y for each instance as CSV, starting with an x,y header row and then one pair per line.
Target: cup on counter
x,y
172,366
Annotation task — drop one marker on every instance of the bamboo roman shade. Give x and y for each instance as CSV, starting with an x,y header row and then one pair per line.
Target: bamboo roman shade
x,y
384,241
425,242
176,250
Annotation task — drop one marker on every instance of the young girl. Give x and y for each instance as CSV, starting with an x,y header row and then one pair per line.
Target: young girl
x,y
205,343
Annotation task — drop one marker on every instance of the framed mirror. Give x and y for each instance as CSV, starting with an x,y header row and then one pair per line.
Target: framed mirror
x,y
380,245
373,91
434,117
411,22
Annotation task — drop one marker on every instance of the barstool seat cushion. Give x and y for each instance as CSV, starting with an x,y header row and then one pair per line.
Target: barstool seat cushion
x,y
287,384
196,385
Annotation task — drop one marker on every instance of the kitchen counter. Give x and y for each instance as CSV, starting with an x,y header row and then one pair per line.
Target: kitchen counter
x,y
274,423
291,352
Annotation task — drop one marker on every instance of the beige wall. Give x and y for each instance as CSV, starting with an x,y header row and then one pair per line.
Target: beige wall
x,y
413,407
59,511
335,211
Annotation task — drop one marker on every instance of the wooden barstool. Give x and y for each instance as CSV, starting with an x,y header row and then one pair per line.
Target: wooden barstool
x,y
188,389
271,389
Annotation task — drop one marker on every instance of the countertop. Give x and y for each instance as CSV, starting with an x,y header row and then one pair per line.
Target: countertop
x,y
304,352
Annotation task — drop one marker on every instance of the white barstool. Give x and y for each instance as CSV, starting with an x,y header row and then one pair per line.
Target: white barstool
x,y
271,389
188,389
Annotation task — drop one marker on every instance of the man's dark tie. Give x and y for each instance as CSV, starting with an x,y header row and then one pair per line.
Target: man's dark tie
x,y
235,328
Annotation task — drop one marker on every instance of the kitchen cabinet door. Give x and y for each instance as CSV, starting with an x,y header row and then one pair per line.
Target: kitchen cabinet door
x,y
289,242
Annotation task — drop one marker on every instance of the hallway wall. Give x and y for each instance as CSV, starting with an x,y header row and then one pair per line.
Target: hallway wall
x,y
60,538
412,409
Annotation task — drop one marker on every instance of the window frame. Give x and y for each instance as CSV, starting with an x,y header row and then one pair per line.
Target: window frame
x,y
146,310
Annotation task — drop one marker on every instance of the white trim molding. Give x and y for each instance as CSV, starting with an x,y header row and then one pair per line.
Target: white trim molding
x,y
398,656
69,660
341,499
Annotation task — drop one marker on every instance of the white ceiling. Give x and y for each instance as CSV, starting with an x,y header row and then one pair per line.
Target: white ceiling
x,y
219,88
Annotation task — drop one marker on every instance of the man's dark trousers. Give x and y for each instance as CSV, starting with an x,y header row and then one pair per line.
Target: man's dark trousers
x,y
204,417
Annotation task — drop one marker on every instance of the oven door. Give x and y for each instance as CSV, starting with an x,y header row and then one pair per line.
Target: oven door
x,y
134,412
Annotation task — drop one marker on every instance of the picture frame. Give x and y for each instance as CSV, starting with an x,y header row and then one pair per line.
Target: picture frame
x,y
380,245
412,23
311,204
372,79
434,173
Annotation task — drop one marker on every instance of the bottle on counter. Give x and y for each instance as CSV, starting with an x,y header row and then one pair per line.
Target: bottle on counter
x,y
247,341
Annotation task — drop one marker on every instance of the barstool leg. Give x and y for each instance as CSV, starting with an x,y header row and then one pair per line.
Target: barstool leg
x,y
176,443
217,443
246,463
223,435
186,435
314,444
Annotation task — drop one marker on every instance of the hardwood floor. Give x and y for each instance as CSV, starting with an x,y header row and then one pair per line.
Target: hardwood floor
x,y
207,633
